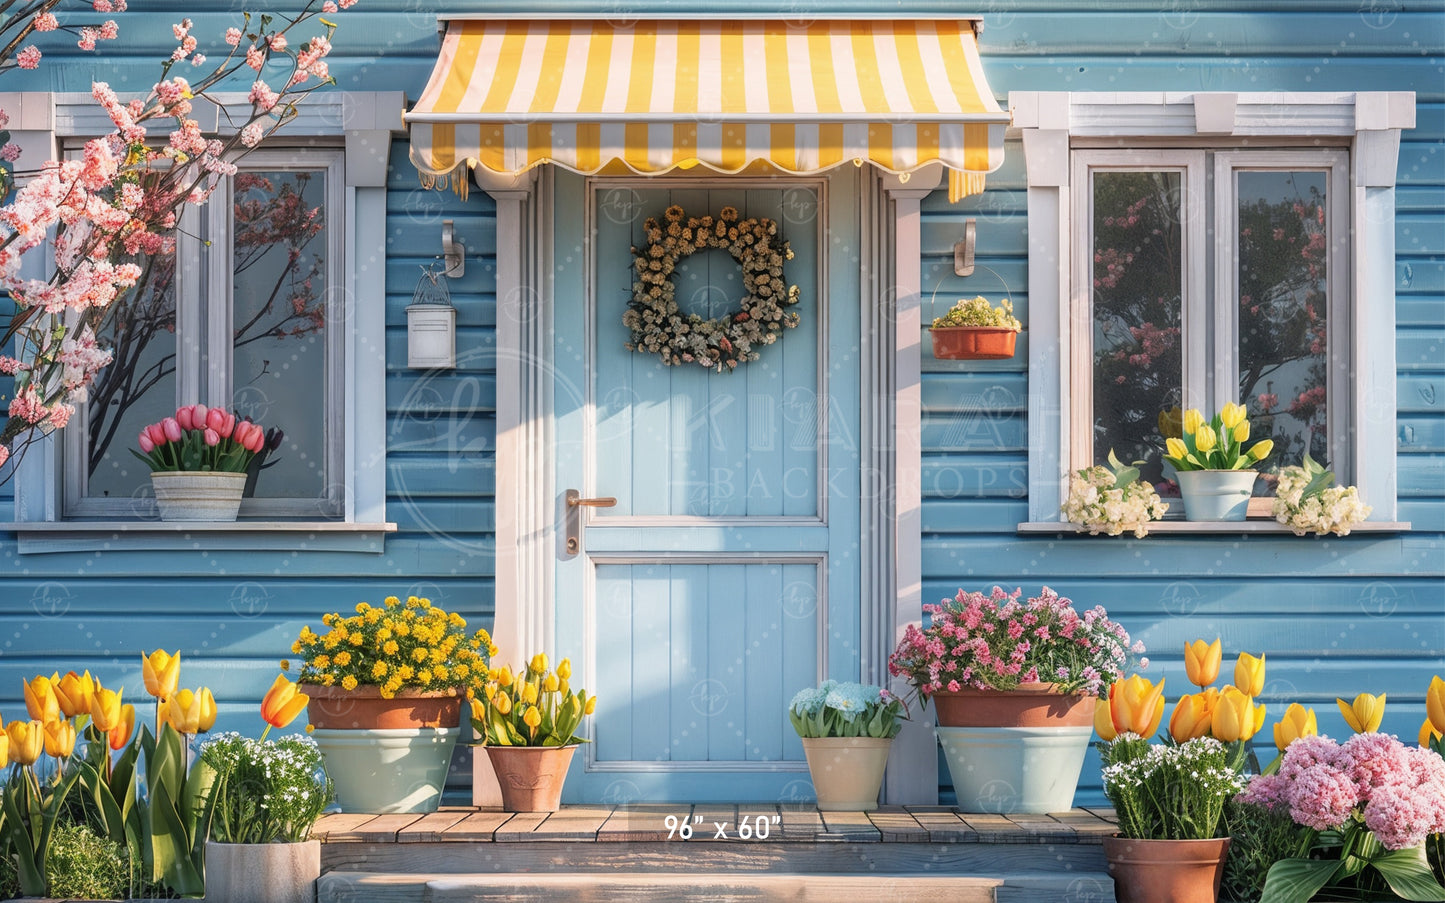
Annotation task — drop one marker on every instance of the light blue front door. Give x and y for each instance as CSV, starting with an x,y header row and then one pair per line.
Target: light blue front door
x,y
726,577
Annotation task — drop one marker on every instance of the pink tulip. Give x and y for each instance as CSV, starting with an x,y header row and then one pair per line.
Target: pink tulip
x,y
212,438
228,427
215,419
157,434
257,439
171,429
183,417
146,445
245,434
198,416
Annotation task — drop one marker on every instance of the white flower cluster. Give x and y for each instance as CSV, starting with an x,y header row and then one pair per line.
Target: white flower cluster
x,y
1335,509
1097,503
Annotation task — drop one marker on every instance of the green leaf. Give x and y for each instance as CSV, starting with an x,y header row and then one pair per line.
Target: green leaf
x,y
1296,880
32,877
172,846
1408,874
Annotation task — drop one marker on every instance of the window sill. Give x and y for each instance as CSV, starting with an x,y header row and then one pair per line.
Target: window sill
x,y
41,537
1211,527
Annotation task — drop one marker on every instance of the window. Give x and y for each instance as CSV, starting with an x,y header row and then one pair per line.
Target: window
x,y
248,322
1186,250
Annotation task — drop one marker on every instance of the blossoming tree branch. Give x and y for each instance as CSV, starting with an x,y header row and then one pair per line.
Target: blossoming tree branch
x,y
104,214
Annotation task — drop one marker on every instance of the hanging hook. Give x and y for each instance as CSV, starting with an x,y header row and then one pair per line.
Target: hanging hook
x,y
963,251
454,251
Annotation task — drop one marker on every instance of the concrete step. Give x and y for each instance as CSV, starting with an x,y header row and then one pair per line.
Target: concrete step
x,y
644,887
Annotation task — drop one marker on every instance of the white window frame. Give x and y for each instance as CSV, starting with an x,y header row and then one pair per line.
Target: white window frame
x,y
1366,125
358,127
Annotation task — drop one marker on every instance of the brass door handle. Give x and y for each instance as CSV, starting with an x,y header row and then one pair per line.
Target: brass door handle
x,y
574,516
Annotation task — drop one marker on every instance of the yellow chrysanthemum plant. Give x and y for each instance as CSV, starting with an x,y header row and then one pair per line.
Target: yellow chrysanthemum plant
x,y
536,707
409,645
1218,444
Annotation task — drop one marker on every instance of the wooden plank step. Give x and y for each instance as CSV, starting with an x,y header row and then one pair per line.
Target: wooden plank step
x,y
647,822
645,887
1088,887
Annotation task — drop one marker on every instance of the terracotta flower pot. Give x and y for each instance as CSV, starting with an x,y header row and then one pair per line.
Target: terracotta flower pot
x,y
1166,871
973,343
335,708
1029,705
531,777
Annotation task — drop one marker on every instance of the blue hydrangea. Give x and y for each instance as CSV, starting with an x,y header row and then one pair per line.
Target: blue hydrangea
x,y
809,701
850,699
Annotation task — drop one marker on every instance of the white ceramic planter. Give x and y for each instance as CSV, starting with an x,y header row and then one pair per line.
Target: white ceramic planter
x,y
1015,769
262,872
198,495
1216,494
846,771
386,771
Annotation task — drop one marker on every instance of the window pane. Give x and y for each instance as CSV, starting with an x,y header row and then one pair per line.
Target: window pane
x,y
1137,297
139,386
279,322
1283,354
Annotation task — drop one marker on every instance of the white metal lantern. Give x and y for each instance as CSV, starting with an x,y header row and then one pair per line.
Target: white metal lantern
x,y
431,324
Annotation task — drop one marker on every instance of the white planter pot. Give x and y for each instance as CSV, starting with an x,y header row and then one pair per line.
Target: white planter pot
x,y
198,495
1015,769
262,872
386,771
1216,494
846,771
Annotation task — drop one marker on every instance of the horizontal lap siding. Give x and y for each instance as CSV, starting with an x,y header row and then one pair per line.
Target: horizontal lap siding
x,y
1336,617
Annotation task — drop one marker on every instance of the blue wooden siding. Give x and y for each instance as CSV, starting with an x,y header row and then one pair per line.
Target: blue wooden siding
x,y
1336,617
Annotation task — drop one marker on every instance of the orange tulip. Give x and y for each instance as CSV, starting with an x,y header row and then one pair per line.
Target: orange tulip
x,y
161,672
1297,722
1136,705
105,708
1193,715
1103,720
74,692
282,703
59,738
1249,674
1435,704
27,741
40,699
1235,716
119,735
1201,662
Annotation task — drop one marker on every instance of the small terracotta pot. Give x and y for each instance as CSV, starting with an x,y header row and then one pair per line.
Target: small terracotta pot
x,y
973,343
335,708
531,777
1028,705
1166,871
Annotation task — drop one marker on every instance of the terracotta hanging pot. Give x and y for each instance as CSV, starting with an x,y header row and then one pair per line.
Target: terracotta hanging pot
x,y
1166,871
973,343
335,708
531,777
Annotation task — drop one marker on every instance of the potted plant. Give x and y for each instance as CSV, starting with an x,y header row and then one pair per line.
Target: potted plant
x,y
846,729
528,724
1112,499
975,330
198,461
1014,685
1308,501
1214,472
265,797
386,687
1170,801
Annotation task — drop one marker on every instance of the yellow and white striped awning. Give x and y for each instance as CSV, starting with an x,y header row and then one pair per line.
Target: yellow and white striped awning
x,y
653,95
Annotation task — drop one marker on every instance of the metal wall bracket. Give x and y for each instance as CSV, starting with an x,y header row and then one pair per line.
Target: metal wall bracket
x,y
454,252
963,250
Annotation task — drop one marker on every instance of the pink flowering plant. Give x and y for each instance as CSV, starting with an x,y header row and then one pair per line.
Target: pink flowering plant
x,y
199,439
1365,806
992,641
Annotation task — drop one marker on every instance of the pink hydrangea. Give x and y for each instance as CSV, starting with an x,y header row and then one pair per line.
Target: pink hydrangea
x,y
1374,761
1307,752
1403,816
1267,790
1322,797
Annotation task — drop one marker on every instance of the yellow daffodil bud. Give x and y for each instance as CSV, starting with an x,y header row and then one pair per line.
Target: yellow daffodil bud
x,y
1192,421
1201,661
564,669
1176,448
1204,438
1261,450
27,741
40,699
1103,720
1136,705
59,738
1232,415
591,705
1435,704
1234,716
549,684
502,703
73,692
161,672
1170,422
1249,674
1192,717
529,693
282,703
1365,713
1428,735
105,708
539,663
119,735
1297,722
1241,433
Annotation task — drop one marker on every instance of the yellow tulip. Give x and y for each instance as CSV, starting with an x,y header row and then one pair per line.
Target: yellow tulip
x,y
1428,735
1192,716
549,685
40,699
1176,448
119,735
504,676
1435,704
1249,674
564,669
59,739
161,673
532,718
1365,713
539,663
1103,720
27,741
1192,421
1297,722
503,703
1136,705
282,702
529,693
1232,415
74,693
1241,433
4,749
591,705
1235,716
191,713
1204,438
105,708
1201,661
1261,450
1170,422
